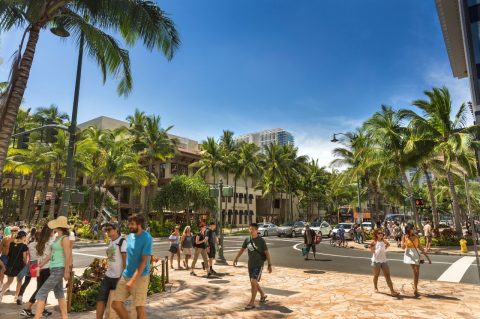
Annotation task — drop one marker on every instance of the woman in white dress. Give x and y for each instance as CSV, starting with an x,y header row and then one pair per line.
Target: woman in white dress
x,y
378,247
411,244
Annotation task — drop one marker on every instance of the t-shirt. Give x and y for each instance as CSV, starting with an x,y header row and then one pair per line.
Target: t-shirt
x,y
15,255
174,240
255,258
427,229
115,261
212,235
138,246
201,237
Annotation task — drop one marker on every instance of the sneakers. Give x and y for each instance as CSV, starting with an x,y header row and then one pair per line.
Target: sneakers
x,y
203,265
19,300
27,313
192,274
46,313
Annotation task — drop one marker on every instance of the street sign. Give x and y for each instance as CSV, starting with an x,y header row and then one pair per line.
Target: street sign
x,y
419,202
227,191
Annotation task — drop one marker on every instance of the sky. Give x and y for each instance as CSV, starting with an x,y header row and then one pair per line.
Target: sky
x,y
311,67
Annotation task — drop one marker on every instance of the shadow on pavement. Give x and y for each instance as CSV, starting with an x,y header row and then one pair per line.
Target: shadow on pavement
x,y
314,272
275,306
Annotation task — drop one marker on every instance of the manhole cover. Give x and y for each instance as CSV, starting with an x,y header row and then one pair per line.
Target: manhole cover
x,y
314,272
219,281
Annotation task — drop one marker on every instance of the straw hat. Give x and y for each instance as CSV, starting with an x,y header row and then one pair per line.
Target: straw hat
x,y
60,222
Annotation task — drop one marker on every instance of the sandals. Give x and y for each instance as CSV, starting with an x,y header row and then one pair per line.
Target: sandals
x,y
394,293
263,299
249,307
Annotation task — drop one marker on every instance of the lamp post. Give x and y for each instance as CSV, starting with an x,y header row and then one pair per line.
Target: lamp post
x,y
221,258
69,184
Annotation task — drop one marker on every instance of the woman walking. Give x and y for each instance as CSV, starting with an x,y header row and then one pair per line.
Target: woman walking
x,y
186,245
32,239
17,259
411,244
378,247
175,246
60,262
40,252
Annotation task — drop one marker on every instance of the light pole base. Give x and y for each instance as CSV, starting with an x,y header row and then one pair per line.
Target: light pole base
x,y
221,261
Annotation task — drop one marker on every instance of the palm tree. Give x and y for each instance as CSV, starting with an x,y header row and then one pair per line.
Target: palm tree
x,y
450,136
153,143
385,128
295,167
211,160
50,114
248,166
228,148
134,20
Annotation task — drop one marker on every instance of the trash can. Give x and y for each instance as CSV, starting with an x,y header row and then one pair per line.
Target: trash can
x,y
463,246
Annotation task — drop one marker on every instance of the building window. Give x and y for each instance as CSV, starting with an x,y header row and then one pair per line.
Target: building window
x,y
179,169
161,171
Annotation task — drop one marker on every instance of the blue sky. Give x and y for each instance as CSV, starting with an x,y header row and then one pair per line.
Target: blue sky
x,y
311,67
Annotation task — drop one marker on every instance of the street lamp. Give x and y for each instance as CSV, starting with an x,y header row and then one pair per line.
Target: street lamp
x,y
69,184
221,258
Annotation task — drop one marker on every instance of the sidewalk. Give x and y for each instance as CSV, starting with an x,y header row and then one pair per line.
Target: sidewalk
x,y
298,293
446,250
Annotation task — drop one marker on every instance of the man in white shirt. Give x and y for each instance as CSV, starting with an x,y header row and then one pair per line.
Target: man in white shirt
x,y
428,233
117,255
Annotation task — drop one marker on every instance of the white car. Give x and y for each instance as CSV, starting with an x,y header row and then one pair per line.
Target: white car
x,y
267,229
367,226
348,230
320,228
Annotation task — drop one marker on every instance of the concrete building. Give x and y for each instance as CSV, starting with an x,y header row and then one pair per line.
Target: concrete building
x,y
460,22
264,138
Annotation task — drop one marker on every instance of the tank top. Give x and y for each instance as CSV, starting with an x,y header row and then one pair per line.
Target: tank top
x,y
380,254
188,241
411,244
58,257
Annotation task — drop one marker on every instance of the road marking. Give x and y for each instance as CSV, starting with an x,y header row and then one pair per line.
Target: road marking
x,y
89,255
455,272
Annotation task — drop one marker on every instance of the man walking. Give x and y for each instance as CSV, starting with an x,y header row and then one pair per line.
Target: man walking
x,y
135,277
116,255
257,255
428,233
200,248
309,241
212,240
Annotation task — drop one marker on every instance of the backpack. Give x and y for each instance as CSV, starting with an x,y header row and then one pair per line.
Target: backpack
x,y
120,243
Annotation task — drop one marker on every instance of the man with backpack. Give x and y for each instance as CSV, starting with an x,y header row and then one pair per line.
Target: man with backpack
x,y
116,254
310,240
200,245
257,255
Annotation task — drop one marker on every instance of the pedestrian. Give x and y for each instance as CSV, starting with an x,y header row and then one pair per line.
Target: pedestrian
x,y
136,276
116,257
354,231
428,233
95,231
379,247
212,241
4,248
186,245
398,233
174,248
200,249
60,261
17,259
257,255
32,239
40,252
359,231
411,244
309,238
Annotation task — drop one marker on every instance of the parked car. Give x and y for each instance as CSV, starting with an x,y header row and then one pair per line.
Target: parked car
x,y
348,230
367,226
291,229
320,228
267,229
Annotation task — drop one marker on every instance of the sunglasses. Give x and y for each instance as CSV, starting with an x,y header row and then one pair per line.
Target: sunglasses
x,y
108,229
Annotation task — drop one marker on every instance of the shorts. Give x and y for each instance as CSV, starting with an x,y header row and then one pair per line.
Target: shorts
x,y
378,264
54,282
24,272
211,252
139,292
398,238
428,239
255,273
188,251
4,259
106,286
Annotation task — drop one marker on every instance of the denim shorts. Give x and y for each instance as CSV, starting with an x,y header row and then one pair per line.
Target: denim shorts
x,y
255,273
106,286
54,282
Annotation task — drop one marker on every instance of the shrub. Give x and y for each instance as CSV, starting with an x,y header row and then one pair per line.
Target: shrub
x,y
155,285
85,287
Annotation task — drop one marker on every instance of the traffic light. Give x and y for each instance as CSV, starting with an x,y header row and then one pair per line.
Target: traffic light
x,y
22,142
51,133
419,202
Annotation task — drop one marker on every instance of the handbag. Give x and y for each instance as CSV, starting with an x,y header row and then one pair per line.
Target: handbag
x,y
304,251
33,269
422,261
318,239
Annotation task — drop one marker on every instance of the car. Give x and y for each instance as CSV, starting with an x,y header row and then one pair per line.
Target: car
x,y
267,229
367,226
291,229
320,228
348,230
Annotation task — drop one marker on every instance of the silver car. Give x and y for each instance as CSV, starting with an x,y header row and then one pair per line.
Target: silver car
x,y
348,227
322,228
291,229
267,229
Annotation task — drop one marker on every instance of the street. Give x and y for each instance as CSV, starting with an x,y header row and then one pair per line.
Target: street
x,y
286,252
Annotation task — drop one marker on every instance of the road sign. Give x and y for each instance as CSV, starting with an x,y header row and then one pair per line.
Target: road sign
x,y
419,202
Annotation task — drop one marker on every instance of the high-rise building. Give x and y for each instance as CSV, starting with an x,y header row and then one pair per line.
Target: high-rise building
x,y
274,136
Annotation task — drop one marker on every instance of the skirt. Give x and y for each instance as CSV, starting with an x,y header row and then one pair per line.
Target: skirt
x,y
188,251
411,257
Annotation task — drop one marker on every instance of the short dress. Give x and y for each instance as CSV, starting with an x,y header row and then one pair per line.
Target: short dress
x,y
411,255
187,245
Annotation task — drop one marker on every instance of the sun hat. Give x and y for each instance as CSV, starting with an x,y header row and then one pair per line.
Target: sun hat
x,y
60,222
14,228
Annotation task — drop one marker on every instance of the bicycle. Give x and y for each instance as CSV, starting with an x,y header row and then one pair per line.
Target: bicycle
x,y
337,241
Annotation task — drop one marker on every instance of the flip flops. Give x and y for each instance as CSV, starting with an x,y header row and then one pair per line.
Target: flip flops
x,y
249,307
263,299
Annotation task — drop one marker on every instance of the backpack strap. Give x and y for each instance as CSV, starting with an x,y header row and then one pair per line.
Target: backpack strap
x,y
120,243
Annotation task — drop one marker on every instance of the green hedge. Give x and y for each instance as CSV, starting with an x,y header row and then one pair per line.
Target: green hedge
x,y
445,241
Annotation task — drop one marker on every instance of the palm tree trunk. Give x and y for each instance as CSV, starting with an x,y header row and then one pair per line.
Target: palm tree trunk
x,y
91,202
412,200
9,107
54,191
148,188
28,213
248,201
456,208
226,201
432,199
234,198
43,196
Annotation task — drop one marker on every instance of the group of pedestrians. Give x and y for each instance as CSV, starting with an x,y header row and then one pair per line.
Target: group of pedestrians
x,y
45,255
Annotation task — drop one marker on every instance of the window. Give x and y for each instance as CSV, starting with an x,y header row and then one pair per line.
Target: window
x,y
161,171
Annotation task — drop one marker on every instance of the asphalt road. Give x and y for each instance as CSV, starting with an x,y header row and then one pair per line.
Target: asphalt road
x,y
286,252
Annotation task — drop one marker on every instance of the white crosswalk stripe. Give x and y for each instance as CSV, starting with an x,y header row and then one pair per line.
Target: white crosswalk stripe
x,y
457,270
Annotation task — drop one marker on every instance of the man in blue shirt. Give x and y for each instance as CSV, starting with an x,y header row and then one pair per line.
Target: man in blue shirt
x,y
135,277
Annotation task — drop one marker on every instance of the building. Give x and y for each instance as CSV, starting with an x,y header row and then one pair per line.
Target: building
x,y
460,23
264,138
421,178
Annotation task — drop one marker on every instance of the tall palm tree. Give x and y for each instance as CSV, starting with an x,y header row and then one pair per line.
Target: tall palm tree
x,y
450,136
248,166
153,144
386,130
211,160
50,114
295,167
133,20
228,148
